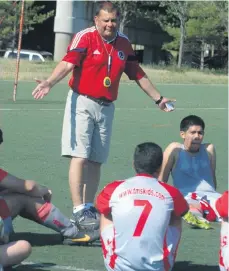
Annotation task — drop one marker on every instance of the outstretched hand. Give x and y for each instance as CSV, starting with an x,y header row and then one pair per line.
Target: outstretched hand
x,y
42,89
163,107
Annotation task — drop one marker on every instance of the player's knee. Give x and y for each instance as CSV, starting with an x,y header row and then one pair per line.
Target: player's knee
x,y
79,161
25,248
30,185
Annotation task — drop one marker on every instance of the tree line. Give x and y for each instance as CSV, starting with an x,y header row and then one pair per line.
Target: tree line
x,y
193,25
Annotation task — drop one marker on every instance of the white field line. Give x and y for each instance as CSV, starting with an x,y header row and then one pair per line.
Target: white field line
x,y
118,109
55,267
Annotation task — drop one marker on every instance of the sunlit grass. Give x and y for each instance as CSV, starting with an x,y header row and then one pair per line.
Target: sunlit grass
x,y
31,70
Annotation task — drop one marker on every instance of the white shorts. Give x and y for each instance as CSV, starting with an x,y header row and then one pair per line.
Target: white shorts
x,y
87,128
173,236
211,197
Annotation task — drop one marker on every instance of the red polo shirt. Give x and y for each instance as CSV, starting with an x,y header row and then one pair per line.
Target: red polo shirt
x,y
87,51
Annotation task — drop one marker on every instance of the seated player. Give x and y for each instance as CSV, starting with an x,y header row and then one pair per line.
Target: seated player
x,y
141,217
192,166
14,252
32,201
222,208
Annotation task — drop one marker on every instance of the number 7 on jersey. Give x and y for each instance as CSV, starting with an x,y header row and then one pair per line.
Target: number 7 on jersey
x,y
144,215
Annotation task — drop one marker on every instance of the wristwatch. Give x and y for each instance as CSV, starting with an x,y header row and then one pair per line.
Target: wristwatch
x,y
159,101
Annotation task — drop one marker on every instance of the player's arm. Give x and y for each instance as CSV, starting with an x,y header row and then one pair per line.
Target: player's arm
x,y
212,156
169,159
28,187
181,206
62,69
146,85
102,204
135,72
175,221
75,53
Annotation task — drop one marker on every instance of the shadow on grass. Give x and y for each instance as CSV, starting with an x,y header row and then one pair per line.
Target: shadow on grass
x,y
189,266
38,239
179,266
44,239
34,267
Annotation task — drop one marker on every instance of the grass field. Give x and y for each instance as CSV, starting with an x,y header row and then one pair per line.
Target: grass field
x,y
31,149
158,74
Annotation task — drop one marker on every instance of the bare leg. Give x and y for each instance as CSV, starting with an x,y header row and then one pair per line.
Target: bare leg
x,y
14,252
76,176
44,213
92,178
16,203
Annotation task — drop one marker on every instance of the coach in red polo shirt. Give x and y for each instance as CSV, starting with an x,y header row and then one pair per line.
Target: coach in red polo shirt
x,y
97,57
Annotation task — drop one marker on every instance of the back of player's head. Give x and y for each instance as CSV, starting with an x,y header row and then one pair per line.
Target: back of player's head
x,y
106,6
191,120
147,158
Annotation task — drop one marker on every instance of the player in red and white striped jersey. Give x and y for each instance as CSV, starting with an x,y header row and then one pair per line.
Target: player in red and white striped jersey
x,y
141,217
222,208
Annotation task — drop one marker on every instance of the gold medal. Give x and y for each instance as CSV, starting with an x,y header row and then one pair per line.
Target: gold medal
x,y
107,82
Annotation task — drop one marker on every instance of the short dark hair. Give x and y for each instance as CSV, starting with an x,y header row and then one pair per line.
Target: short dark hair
x,y
190,121
107,6
148,158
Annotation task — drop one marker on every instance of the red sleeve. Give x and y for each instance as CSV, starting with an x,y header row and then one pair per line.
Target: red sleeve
x,y
77,49
222,205
181,206
132,68
103,199
3,174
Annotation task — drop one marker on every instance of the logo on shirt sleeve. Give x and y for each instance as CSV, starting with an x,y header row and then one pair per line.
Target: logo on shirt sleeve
x,y
121,55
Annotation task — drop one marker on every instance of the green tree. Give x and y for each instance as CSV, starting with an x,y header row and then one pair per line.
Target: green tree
x,y
207,24
172,17
128,11
174,23
10,18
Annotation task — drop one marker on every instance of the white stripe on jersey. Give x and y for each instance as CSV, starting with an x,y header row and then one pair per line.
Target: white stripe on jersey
x,y
79,35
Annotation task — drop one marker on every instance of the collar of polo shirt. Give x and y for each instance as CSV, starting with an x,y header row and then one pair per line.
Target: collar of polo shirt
x,y
110,41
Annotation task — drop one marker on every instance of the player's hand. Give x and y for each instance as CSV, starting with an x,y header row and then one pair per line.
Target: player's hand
x,y
163,107
41,90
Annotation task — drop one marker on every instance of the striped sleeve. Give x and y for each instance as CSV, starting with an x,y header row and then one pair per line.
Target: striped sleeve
x,y
103,199
222,205
181,206
77,49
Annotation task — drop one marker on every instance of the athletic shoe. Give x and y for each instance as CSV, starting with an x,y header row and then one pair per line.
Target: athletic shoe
x,y
87,219
83,237
196,221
